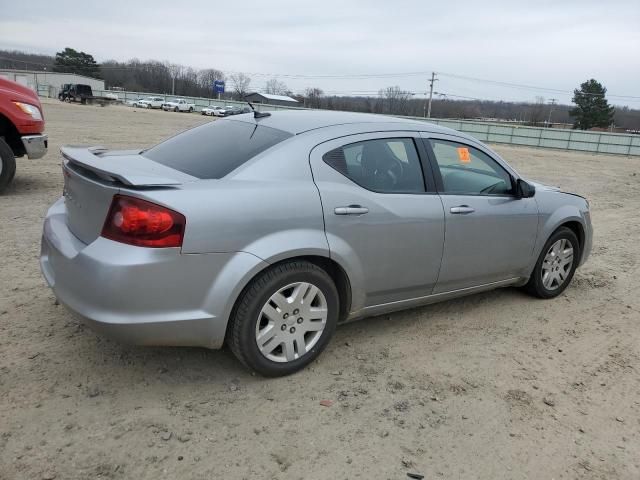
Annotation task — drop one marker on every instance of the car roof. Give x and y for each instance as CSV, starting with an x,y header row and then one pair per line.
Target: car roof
x,y
301,121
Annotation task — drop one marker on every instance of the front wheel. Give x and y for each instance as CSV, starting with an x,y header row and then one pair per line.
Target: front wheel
x,y
7,165
284,318
556,265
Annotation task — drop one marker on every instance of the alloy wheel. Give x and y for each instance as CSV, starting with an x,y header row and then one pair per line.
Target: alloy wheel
x,y
291,322
557,264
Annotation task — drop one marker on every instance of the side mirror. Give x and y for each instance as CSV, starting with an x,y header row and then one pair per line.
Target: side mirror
x,y
524,189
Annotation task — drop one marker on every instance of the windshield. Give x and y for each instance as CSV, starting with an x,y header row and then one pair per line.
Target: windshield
x,y
215,149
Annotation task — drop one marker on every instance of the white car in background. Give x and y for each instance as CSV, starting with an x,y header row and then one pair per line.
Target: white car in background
x,y
178,105
134,102
225,111
212,110
151,102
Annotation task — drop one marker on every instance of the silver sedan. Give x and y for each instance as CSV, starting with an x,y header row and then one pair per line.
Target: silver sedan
x,y
266,231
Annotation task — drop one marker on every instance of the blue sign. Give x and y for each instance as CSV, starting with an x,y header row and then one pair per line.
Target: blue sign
x,y
218,86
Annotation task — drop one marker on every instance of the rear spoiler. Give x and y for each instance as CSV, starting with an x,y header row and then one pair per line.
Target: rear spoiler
x,y
129,168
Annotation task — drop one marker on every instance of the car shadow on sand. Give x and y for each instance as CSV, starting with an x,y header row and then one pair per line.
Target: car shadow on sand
x,y
193,366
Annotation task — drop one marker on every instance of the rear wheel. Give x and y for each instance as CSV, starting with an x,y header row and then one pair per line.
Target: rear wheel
x,y
175,109
190,109
7,165
284,318
556,265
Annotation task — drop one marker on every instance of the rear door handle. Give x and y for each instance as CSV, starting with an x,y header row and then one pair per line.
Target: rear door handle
x,y
351,210
462,210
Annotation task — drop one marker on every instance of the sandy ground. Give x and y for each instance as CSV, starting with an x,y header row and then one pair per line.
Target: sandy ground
x,y
498,385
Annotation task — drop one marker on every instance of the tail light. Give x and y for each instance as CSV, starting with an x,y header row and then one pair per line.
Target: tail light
x,y
138,222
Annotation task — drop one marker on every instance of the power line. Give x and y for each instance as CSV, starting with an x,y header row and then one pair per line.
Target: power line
x,y
352,77
527,87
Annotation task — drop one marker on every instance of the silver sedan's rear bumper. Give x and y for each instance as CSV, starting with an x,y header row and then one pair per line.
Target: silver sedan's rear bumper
x,y
144,296
35,145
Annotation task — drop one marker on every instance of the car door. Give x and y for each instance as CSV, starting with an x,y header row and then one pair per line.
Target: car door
x,y
490,233
383,218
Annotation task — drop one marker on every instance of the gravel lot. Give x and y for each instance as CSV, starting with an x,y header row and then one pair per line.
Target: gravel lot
x,y
497,385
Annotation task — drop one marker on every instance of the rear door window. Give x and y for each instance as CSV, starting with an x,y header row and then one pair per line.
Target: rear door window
x,y
215,149
386,165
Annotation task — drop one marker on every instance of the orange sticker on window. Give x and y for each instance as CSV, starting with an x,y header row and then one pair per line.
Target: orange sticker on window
x,y
463,155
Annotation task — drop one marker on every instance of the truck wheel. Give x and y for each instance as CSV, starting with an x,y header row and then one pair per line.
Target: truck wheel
x,y
7,165
190,109
176,109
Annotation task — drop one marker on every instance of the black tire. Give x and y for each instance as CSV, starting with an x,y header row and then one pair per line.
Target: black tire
x,y
190,109
8,160
175,109
242,326
535,285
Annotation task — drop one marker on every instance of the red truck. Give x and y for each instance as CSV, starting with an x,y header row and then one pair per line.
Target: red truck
x,y
21,128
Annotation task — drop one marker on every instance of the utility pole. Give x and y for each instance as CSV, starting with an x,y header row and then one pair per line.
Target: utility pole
x,y
174,69
431,82
552,102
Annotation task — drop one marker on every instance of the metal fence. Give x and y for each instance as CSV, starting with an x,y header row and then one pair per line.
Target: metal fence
x,y
584,141
596,142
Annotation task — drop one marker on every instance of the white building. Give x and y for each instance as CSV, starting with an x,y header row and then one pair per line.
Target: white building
x,y
47,84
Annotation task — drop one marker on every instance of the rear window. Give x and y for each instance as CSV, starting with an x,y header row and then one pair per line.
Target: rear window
x,y
215,149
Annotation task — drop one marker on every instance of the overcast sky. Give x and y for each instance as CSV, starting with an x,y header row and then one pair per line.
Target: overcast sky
x,y
552,45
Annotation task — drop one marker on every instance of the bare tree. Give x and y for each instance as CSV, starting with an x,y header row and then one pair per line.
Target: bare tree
x,y
395,100
276,87
536,112
241,84
207,76
312,97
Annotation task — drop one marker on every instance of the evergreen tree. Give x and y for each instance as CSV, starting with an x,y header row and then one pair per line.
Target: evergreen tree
x,y
592,108
72,61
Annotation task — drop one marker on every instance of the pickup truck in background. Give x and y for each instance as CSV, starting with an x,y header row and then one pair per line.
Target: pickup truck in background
x,y
150,102
78,92
21,128
178,105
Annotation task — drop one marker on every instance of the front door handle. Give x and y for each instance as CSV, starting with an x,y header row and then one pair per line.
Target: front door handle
x,y
462,210
351,210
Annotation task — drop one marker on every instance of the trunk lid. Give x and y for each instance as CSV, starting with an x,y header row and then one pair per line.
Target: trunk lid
x,y
92,176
